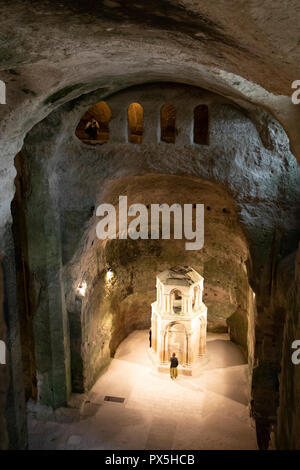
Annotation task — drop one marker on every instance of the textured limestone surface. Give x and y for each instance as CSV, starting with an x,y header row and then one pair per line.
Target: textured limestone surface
x,y
287,435
4,377
166,414
246,177
54,51
69,54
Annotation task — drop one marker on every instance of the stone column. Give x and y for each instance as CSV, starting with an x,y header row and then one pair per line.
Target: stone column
x,y
202,338
189,349
184,125
151,133
197,298
50,323
4,376
15,411
118,125
183,305
162,352
171,302
154,332
13,433
168,309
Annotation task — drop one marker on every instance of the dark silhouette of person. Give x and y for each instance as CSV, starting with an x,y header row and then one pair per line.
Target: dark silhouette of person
x,y
173,366
91,129
150,338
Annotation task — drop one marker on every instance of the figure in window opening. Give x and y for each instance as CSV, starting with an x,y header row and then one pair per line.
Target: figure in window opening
x,y
91,129
173,366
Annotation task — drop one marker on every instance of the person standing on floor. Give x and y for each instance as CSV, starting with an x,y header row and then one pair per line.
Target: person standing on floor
x,y
173,366
92,128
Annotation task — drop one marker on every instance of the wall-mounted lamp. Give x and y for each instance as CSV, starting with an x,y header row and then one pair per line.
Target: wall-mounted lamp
x,y
82,288
109,275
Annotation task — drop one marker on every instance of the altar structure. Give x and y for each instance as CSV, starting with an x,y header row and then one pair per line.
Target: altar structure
x,y
179,318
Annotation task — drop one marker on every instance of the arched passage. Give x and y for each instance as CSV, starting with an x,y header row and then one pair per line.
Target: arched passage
x,y
175,341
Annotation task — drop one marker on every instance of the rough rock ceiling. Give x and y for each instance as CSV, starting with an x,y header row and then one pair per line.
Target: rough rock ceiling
x,y
231,47
54,51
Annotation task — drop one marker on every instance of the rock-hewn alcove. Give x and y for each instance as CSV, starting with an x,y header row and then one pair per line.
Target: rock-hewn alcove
x,y
72,55
246,189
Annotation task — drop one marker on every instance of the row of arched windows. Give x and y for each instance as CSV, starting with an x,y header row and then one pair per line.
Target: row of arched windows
x,y
94,126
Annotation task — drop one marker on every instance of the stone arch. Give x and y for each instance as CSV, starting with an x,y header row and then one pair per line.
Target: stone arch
x,y
175,344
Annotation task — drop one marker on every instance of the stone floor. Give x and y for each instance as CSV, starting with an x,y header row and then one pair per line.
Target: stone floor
x,y
206,411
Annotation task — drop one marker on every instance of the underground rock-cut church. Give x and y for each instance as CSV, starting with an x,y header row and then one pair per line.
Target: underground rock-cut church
x,y
179,318
167,104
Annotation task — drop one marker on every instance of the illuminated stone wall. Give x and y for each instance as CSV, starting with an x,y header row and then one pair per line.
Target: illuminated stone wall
x,y
246,189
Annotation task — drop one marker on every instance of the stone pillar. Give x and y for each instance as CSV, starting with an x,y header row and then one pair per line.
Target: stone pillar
x,y
51,329
12,399
154,331
184,125
118,125
168,309
171,302
183,305
151,122
15,412
202,338
197,298
162,352
4,376
189,349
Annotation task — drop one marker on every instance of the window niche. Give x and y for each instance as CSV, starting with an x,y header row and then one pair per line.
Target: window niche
x,y
135,123
201,125
177,301
94,125
168,123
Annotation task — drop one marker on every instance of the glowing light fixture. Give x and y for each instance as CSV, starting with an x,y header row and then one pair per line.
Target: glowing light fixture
x,y
109,275
82,288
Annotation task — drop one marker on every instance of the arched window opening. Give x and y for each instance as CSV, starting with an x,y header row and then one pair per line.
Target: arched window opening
x,y
177,301
201,131
94,126
135,123
168,123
